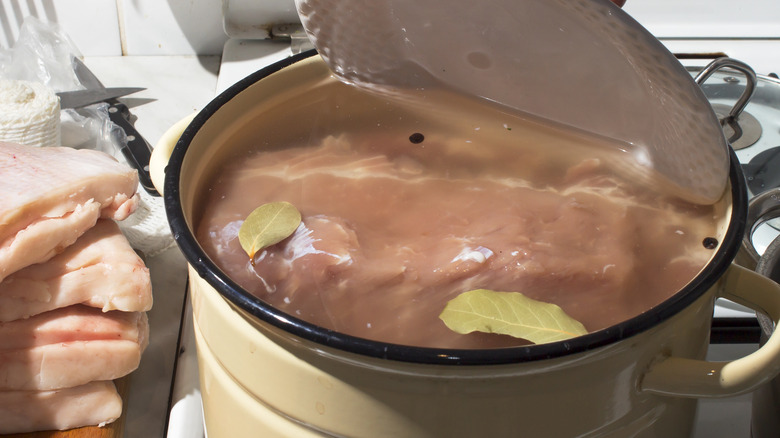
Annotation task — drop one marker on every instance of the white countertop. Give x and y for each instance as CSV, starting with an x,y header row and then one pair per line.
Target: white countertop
x,y
175,88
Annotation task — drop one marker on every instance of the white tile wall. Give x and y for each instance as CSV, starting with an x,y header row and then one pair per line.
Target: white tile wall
x,y
129,27
92,24
172,27
185,27
708,18
250,19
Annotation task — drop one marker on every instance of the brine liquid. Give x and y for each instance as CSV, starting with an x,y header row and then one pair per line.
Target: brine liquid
x,y
405,207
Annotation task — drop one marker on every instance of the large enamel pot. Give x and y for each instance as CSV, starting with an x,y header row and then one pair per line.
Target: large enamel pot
x,y
266,373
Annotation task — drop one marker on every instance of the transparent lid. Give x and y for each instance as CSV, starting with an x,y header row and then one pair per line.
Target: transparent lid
x,y
585,64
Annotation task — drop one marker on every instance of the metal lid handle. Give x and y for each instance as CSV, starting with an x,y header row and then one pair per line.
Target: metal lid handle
x,y
750,87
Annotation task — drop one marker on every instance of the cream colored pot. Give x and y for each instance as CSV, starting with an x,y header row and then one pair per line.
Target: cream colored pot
x,y
266,373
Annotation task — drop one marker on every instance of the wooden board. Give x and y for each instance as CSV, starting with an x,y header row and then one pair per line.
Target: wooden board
x,y
113,430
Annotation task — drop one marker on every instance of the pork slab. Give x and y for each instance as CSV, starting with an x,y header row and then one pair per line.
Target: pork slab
x,y
69,347
99,270
51,196
92,404
392,231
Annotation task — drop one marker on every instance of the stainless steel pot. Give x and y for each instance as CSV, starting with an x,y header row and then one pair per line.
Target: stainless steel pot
x,y
267,373
766,399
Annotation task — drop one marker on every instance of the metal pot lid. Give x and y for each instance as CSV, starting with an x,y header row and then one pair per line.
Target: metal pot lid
x,y
584,64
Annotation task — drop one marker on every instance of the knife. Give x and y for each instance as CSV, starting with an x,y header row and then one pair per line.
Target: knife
x,y
82,98
136,150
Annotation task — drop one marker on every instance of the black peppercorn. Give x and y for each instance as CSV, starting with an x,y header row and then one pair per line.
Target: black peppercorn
x,y
416,138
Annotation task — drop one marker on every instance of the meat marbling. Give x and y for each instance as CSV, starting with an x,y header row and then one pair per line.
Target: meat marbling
x,y
99,270
91,404
70,347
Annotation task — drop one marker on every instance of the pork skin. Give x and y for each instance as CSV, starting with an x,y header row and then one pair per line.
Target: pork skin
x,y
50,196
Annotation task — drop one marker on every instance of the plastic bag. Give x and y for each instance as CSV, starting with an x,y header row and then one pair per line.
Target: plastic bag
x,y
43,53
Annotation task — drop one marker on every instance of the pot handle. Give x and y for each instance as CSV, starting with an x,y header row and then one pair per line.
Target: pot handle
x,y
682,377
163,149
750,87
762,208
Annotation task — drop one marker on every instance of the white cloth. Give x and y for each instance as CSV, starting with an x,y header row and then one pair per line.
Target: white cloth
x,y
147,229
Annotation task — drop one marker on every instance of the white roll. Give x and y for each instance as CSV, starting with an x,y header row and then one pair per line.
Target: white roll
x,y
29,113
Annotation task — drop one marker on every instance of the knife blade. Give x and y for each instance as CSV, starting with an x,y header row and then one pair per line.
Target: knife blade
x,y
82,98
136,149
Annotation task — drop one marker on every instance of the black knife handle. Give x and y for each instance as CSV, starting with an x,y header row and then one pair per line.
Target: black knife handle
x,y
137,150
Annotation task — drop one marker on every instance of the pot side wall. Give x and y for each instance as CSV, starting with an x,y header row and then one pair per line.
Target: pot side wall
x,y
256,377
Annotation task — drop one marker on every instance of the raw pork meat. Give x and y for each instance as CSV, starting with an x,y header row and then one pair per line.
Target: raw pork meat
x,y
99,270
51,196
92,404
69,347
392,231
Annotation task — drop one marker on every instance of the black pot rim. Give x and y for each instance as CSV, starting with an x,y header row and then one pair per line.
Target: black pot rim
x,y
204,267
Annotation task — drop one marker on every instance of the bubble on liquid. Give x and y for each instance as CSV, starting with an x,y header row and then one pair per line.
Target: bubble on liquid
x,y
480,60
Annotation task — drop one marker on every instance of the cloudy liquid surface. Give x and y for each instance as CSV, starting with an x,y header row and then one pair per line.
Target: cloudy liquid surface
x,y
405,206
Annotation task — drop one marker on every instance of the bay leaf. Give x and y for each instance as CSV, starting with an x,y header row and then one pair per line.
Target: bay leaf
x,y
509,313
268,225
